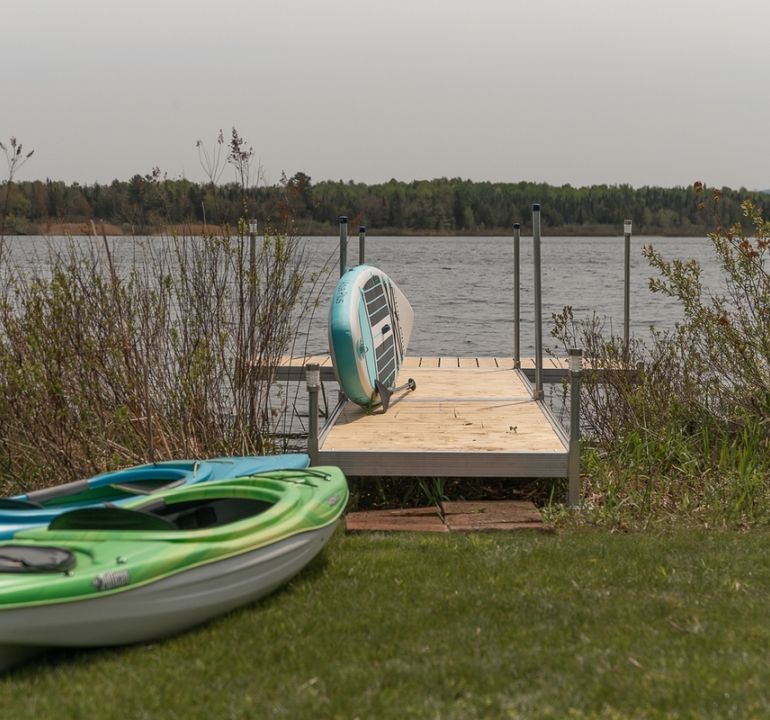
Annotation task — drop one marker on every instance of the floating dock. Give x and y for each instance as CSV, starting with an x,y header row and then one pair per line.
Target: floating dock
x,y
468,417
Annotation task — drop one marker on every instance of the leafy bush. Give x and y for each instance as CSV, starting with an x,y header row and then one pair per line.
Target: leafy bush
x,y
686,436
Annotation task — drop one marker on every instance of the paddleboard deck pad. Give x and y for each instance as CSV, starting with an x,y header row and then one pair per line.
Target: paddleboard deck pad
x,y
370,323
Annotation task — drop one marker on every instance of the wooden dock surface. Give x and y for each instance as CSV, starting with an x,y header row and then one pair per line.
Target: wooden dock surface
x,y
468,417
554,369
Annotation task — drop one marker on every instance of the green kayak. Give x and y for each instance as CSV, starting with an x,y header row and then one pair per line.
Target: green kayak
x,y
117,575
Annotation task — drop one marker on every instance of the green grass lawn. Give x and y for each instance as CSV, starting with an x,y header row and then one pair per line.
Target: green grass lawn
x,y
573,625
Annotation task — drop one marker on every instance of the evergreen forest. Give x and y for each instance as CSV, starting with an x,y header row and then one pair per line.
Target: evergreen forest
x,y
152,203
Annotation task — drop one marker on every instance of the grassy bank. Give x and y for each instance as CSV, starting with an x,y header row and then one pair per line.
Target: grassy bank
x,y
576,625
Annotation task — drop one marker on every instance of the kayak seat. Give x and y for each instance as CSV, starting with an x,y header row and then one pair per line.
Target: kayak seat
x,y
196,518
157,515
207,513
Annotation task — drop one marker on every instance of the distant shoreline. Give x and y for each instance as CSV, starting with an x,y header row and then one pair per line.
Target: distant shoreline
x,y
80,229
435,208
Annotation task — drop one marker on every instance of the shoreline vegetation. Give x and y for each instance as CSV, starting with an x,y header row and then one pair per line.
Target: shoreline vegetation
x,y
152,204
84,229
132,365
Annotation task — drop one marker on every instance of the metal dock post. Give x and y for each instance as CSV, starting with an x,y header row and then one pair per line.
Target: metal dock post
x,y
573,461
313,381
361,244
343,244
538,393
516,295
626,288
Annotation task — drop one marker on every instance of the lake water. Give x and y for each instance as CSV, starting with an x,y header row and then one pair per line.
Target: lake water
x,y
461,288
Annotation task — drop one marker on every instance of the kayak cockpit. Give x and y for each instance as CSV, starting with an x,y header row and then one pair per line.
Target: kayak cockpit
x,y
196,514
35,559
121,483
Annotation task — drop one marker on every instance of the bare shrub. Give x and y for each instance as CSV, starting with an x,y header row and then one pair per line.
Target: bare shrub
x,y
119,351
15,158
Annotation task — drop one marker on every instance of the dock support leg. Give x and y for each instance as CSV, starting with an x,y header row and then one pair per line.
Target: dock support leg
x,y
573,463
516,296
538,392
361,245
343,244
626,287
313,381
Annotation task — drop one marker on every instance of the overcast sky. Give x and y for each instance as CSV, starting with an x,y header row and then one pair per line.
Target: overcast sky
x,y
651,92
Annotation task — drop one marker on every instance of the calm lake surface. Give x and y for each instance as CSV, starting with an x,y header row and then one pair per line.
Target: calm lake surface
x,y
461,289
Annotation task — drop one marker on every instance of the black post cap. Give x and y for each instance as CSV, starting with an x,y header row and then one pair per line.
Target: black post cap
x,y
516,226
535,207
362,228
343,219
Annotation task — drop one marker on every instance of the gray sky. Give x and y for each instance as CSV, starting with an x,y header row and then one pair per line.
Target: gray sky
x,y
648,92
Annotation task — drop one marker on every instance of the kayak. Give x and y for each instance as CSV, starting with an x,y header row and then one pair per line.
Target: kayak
x,y
104,576
119,487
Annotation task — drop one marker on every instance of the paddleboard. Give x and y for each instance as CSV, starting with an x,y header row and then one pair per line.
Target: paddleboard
x,y
370,323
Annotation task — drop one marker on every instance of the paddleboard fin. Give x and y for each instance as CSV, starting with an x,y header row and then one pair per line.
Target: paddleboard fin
x,y
385,392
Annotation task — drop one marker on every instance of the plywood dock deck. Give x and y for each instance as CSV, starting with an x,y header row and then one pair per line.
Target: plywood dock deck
x,y
468,417
554,369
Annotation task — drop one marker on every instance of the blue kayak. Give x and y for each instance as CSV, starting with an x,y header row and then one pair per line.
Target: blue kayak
x,y
40,507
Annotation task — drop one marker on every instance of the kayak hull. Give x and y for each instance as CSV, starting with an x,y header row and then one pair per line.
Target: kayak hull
x,y
161,608
132,586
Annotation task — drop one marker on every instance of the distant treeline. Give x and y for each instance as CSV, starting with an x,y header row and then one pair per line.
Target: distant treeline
x,y
146,204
